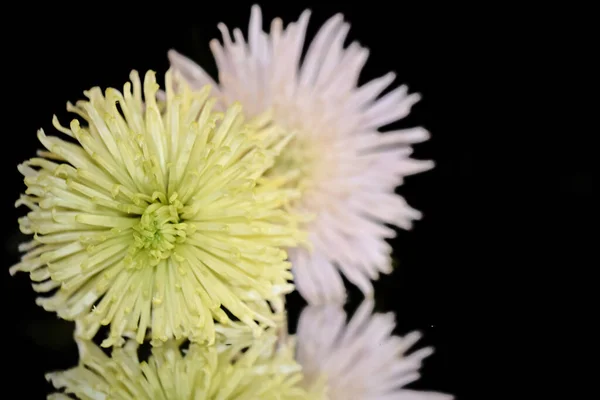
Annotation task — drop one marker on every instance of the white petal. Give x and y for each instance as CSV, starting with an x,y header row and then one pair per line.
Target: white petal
x,y
355,167
316,278
190,71
360,359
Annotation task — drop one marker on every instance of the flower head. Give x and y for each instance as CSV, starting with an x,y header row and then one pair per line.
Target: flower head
x,y
347,169
359,359
241,371
157,216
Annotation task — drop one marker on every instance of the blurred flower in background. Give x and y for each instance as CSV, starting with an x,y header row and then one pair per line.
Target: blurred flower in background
x,y
346,169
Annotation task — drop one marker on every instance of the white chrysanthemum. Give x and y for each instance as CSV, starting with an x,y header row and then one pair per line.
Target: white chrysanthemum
x,y
230,370
348,170
358,360
158,217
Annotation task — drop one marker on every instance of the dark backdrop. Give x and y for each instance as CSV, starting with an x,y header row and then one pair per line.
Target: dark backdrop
x,y
54,62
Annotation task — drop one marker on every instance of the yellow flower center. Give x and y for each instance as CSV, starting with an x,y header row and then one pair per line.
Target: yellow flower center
x,y
159,230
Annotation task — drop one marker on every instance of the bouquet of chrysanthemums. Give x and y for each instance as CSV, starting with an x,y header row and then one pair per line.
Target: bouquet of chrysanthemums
x,y
180,217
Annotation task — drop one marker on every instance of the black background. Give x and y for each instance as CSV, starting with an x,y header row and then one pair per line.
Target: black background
x,y
55,61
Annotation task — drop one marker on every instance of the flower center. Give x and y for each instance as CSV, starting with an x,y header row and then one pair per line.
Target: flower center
x,y
298,156
160,229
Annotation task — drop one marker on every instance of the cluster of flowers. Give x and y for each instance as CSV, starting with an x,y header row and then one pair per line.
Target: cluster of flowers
x,y
181,219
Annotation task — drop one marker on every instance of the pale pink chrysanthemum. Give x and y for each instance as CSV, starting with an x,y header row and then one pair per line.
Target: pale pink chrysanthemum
x,y
360,359
348,169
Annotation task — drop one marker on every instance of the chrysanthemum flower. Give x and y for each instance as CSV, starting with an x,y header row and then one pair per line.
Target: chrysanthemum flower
x,y
348,170
360,359
226,371
150,219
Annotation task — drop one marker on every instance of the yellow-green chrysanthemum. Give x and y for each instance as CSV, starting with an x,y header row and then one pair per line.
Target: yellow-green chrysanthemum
x,y
226,371
157,218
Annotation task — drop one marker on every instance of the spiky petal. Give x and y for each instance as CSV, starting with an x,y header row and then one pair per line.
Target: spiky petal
x,y
157,218
240,371
358,359
346,168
